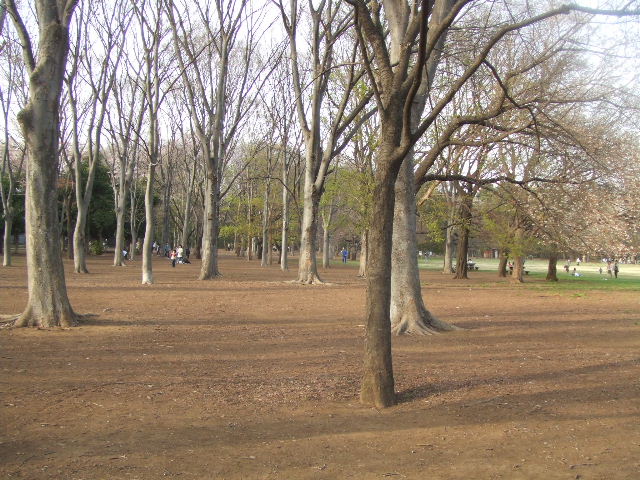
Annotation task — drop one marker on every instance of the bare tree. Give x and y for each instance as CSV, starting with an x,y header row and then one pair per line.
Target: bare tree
x,y
110,32
48,304
12,93
329,22
415,32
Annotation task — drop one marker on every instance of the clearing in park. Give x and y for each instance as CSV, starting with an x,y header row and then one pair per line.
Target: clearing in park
x,y
251,377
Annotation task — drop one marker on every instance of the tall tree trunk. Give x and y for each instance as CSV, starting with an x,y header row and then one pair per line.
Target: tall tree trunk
x,y
463,237
408,311
48,304
378,383
518,269
120,208
147,254
502,264
266,241
284,235
447,267
552,269
307,264
184,238
364,253
326,223
6,241
209,267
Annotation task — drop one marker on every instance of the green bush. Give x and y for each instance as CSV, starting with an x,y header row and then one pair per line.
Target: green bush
x,y
95,248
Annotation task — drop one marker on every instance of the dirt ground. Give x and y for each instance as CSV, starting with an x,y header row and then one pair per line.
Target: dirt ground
x,y
250,377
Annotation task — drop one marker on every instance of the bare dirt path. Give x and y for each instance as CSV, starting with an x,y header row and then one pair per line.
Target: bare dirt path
x,y
251,377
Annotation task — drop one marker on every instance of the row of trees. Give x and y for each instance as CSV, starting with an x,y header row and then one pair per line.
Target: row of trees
x,y
213,105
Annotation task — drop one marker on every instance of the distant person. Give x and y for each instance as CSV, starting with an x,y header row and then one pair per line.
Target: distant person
x,y
600,270
187,253
609,268
616,269
125,254
173,256
166,250
566,267
345,255
179,254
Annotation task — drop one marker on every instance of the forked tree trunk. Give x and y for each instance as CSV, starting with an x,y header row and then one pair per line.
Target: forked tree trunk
x,y
364,253
408,311
552,269
48,304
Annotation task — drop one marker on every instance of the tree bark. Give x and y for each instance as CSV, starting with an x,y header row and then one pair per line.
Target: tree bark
x,y
147,254
48,304
408,311
552,269
502,264
364,253
447,267
307,264
284,235
463,238
378,383
6,241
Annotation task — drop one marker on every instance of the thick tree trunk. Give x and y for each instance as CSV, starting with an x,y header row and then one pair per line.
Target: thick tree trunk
x,y
518,261
518,269
307,266
378,383
209,267
408,311
364,253
502,264
48,304
552,269
463,239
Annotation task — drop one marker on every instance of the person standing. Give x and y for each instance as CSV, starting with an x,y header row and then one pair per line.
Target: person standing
x,y
345,255
172,257
616,269
179,253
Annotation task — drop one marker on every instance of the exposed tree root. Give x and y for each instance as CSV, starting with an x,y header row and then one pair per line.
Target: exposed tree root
x,y
420,322
310,279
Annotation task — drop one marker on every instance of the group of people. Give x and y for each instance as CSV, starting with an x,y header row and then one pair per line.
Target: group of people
x,y
176,255
612,268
